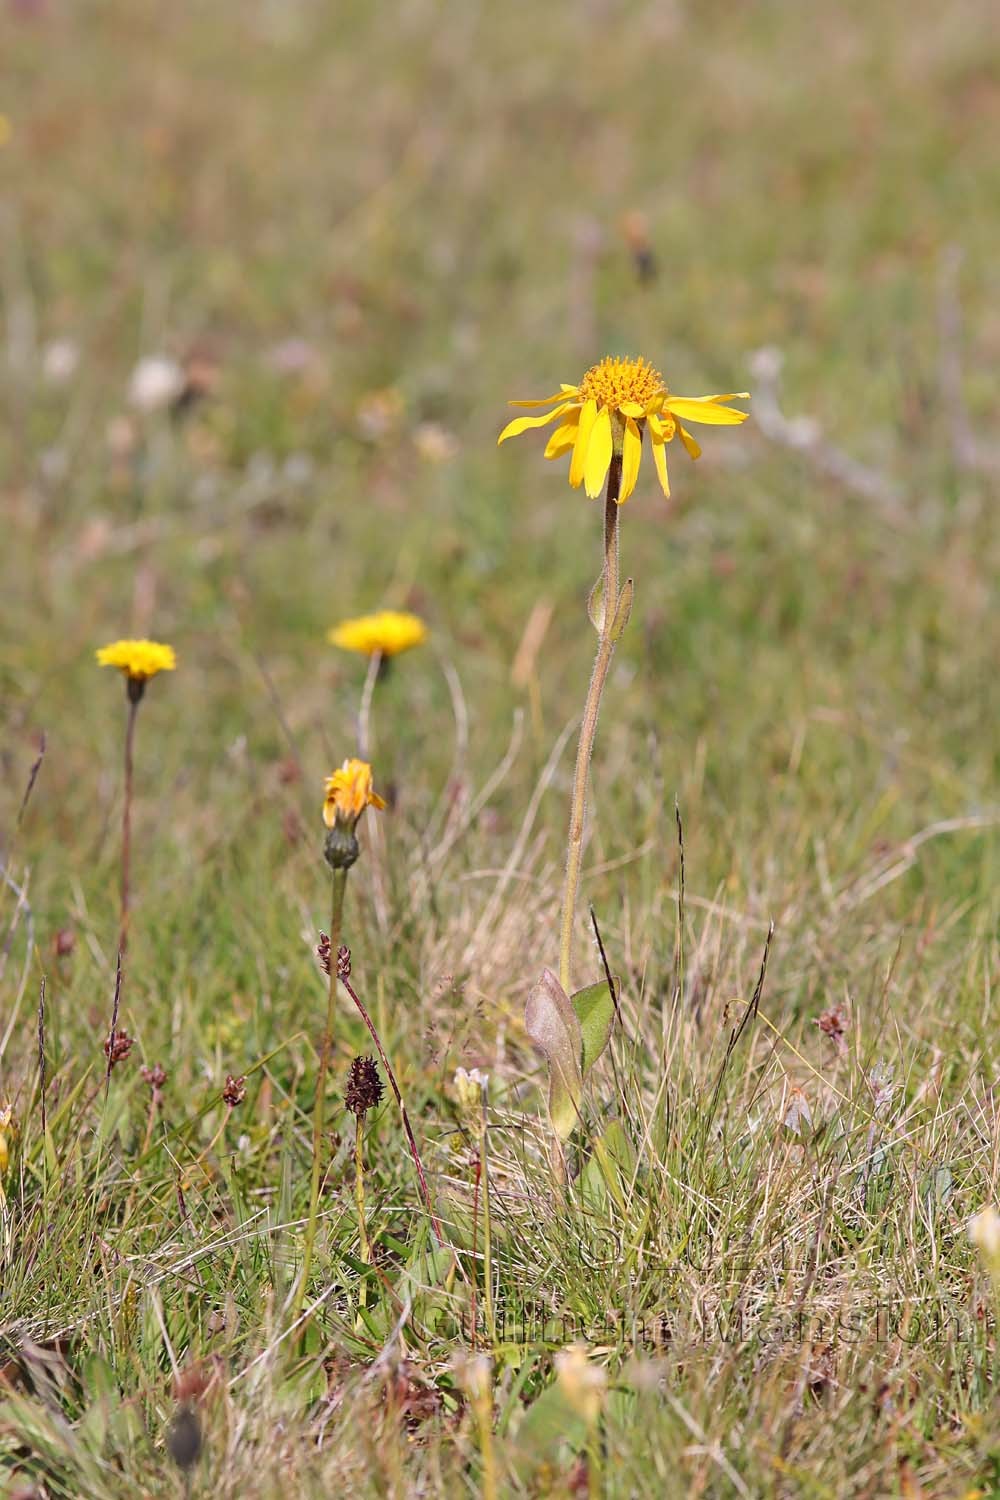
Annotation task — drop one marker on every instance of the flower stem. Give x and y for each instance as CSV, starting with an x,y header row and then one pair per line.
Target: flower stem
x,y
359,1186
588,728
338,886
491,1324
483,1402
411,1142
133,709
595,1476
365,710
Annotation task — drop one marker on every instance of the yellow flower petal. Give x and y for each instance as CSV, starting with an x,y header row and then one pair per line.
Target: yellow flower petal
x,y
707,409
588,416
563,438
599,451
348,792
387,631
545,400
692,447
521,424
660,460
631,454
139,660
632,409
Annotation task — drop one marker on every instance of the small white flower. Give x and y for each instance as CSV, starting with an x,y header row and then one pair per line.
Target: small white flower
x,y
470,1087
156,382
60,360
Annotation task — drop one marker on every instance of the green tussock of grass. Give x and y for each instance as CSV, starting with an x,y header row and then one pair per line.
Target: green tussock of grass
x,y
361,233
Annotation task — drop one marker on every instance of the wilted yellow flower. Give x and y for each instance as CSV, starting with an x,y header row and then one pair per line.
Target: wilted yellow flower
x,y
583,1383
8,1137
139,660
387,631
348,792
380,412
434,443
607,414
984,1232
474,1373
469,1088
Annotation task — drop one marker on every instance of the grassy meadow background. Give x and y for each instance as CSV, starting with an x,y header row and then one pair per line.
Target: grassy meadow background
x,y
360,229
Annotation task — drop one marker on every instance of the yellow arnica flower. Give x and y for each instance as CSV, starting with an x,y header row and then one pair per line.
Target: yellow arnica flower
x,y
348,793
139,660
607,414
388,631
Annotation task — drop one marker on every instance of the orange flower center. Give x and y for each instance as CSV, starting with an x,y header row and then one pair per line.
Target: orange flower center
x,y
616,380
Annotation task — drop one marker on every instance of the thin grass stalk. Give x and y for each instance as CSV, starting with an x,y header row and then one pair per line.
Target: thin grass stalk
x,y
338,885
343,970
491,1325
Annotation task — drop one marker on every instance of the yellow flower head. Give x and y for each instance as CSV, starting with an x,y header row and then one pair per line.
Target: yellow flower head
x,y
139,660
388,631
606,415
348,793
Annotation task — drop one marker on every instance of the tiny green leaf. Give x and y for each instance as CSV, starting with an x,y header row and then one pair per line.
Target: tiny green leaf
x,y
595,1011
595,605
623,611
552,1024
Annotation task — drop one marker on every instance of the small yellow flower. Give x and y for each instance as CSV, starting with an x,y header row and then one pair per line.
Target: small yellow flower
x,y
139,660
607,414
582,1383
8,1137
388,631
984,1232
348,793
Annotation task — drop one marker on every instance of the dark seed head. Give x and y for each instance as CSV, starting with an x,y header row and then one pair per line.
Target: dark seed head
x,y
343,962
235,1090
323,952
117,1047
184,1438
364,1086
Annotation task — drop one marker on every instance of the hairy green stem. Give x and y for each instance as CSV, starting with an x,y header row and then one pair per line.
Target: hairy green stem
x,y
588,728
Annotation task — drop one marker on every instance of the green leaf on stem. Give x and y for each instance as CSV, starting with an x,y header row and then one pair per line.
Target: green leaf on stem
x,y
552,1024
623,611
595,1011
595,605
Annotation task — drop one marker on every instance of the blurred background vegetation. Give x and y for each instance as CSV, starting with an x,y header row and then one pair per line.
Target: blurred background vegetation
x,y
345,235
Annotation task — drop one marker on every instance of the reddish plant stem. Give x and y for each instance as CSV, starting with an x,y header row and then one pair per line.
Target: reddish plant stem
x,y
133,709
425,1191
